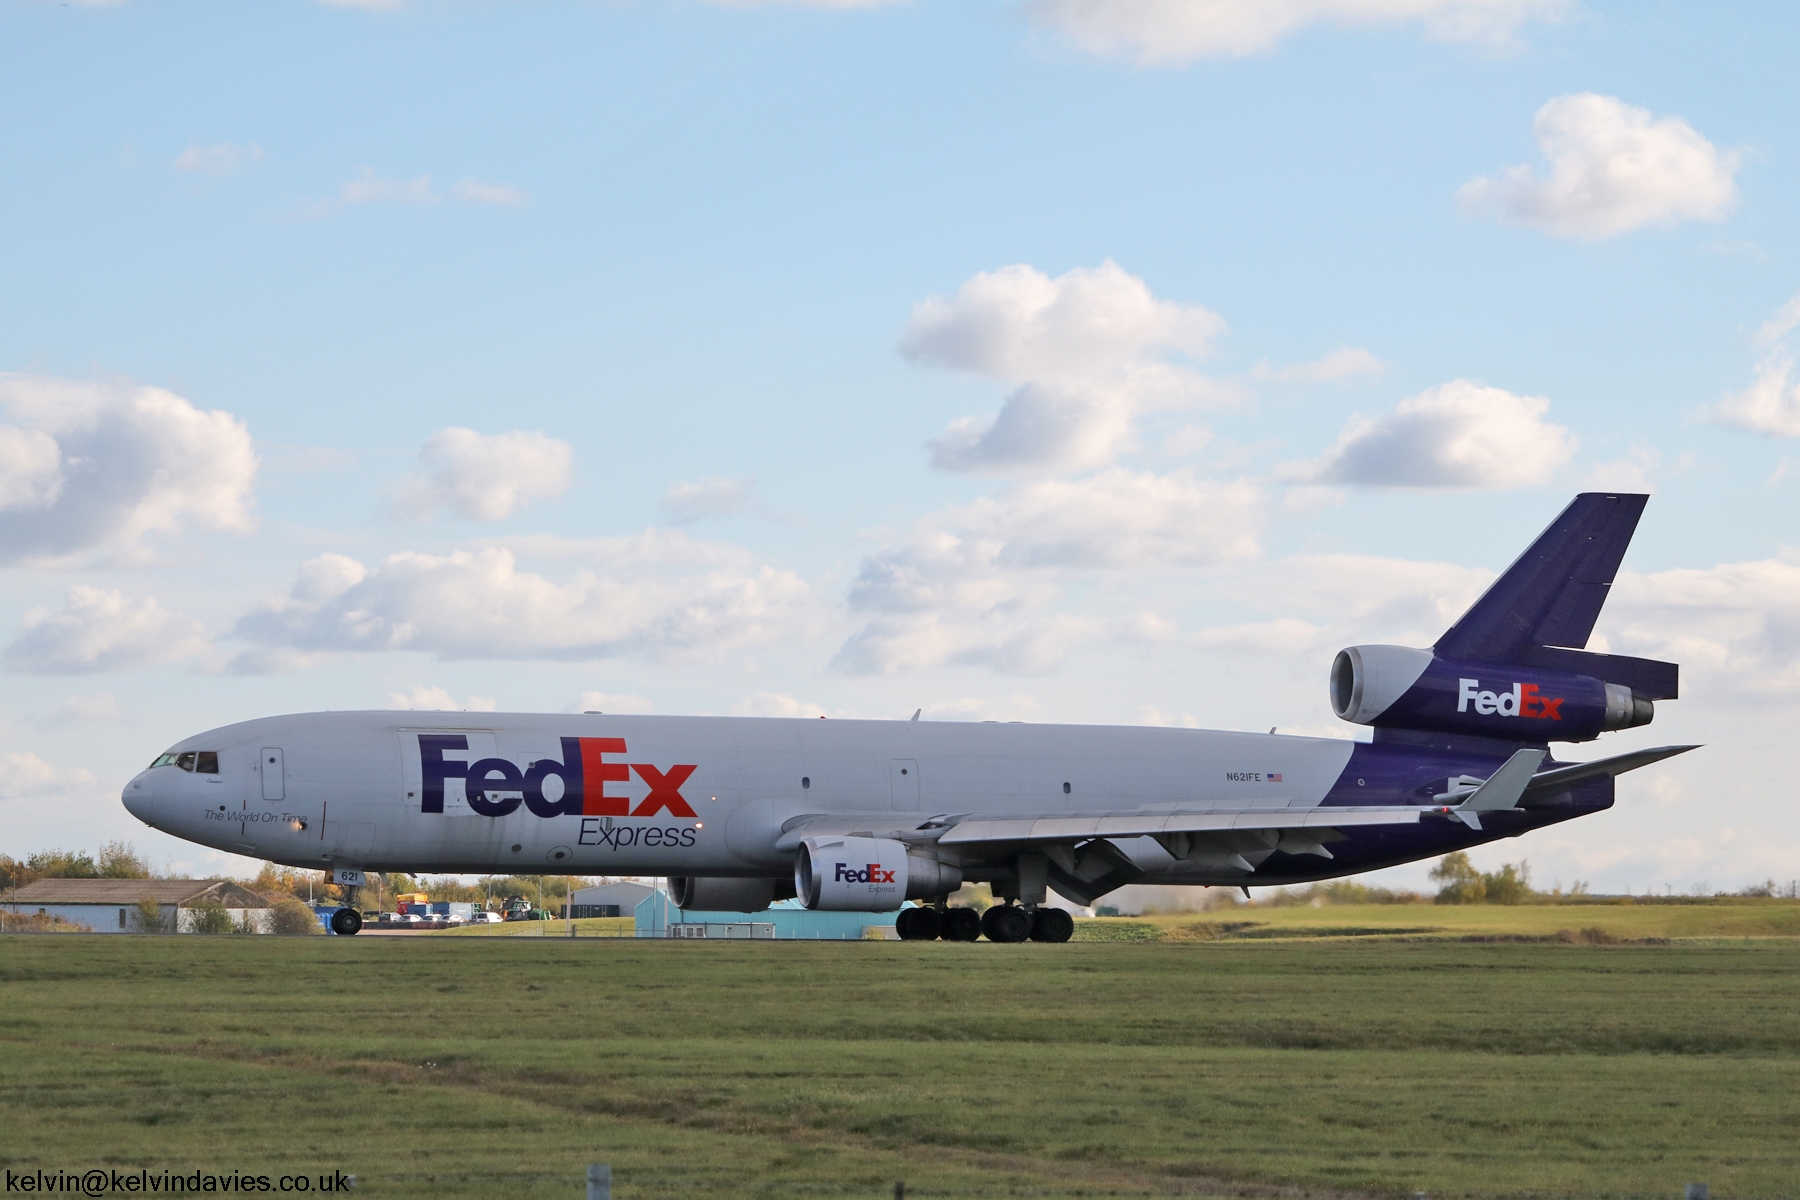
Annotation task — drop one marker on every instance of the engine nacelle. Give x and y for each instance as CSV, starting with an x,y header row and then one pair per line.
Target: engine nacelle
x,y
859,874
727,895
1397,687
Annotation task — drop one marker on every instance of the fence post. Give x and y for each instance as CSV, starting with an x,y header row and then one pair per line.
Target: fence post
x,y
1696,1191
900,1189
599,1181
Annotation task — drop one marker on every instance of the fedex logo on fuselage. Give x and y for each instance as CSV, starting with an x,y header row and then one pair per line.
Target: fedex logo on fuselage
x,y
873,873
1524,700
583,773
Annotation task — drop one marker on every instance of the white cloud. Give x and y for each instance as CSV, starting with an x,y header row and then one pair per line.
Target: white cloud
x,y
1336,367
657,594
100,630
220,158
82,710
709,497
974,583
1175,32
483,477
1734,624
1785,320
371,188
1634,471
97,467
1090,349
1771,403
1613,168
24,776
1459,434
775,704
1323,602
31,468
436,699
500,195
612,702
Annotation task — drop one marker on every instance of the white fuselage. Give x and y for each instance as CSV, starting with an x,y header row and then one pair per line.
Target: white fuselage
x,y
354,789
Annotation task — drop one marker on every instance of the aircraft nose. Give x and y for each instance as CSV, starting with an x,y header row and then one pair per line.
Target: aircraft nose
x,y
139,798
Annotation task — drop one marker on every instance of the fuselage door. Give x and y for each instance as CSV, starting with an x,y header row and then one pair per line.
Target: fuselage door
x,y
456,799
274,783
903,774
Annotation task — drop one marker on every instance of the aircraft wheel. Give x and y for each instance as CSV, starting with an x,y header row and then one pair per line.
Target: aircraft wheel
x,y
1006,923
346,922
918,924
961,925
1051,925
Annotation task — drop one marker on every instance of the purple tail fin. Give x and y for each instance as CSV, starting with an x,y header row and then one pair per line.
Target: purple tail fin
x,y
1542,610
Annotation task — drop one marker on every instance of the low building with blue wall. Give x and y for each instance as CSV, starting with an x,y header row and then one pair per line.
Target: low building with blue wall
x,y
656,914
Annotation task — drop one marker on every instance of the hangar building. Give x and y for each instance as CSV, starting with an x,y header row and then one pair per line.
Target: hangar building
x,y
111,905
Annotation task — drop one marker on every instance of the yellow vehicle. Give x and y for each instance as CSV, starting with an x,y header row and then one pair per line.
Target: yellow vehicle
x,y
413,898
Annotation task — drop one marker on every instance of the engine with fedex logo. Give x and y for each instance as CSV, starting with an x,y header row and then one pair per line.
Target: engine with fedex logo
x,y
1397,687
862,874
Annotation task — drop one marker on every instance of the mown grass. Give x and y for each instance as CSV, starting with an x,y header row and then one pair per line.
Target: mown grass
x,y
442,1066
1745,918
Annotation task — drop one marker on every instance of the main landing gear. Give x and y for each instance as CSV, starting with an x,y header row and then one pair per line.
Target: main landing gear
x,y
346,922
1001,923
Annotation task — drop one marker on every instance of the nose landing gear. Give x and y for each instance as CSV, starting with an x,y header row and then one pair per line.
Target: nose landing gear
x,y
346,922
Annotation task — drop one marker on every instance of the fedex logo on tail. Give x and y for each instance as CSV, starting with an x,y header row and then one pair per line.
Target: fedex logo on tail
x,y
873,873
1524,700
583,774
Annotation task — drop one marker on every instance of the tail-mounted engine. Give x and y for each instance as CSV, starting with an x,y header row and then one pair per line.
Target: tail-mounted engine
x,y
1397,687
859,874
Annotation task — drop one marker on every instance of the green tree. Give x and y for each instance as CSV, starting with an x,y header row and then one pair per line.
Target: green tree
x,y
1508,885
148,918
1460,882
208,916
14,873
1463,884
293,916
120,860
62,864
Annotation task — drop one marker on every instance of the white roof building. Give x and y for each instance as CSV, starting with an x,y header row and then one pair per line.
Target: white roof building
x,y
111,905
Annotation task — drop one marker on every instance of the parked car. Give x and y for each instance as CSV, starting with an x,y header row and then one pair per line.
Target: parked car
x,y
483,917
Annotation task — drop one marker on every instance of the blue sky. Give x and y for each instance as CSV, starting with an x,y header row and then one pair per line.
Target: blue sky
x,y
1052,360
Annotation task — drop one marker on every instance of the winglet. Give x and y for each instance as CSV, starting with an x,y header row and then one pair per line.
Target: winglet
x,y
1502,789
916,713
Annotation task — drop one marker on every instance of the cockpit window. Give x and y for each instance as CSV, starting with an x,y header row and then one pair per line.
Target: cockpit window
x,y
206,762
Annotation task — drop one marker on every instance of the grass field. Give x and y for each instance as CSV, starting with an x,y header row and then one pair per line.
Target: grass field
x,y
467,1066
1740,918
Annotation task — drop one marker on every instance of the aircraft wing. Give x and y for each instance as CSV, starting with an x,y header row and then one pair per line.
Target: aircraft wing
x,y
1073,829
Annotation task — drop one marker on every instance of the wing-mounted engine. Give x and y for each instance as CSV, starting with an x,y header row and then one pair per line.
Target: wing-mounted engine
x,y
1513,666
727,895
862,874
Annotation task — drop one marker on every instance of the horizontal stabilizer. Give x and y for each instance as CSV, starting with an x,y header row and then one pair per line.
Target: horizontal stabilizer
x,y
1552,595
1560,777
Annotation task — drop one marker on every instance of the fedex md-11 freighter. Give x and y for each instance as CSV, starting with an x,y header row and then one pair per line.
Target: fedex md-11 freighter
x,y
740,812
